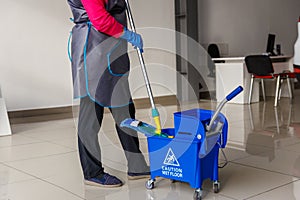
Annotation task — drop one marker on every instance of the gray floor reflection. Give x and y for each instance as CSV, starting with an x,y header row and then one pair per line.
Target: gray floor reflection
x,y
263,150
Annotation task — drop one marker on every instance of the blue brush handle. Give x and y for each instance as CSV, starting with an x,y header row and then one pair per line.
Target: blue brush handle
x,y
235,92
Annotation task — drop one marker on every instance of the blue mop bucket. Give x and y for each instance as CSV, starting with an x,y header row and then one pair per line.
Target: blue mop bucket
x,y
179,158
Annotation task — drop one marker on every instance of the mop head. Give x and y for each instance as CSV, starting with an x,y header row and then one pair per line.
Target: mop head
x,y
142,127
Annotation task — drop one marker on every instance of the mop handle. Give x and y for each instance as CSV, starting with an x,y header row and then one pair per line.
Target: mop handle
x,y
155,113
234,93
141,59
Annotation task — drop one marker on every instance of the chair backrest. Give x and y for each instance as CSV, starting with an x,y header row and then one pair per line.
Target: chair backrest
x,y
213,51
259,65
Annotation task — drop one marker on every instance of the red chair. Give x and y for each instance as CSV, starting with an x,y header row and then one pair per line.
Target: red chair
x,y
261,67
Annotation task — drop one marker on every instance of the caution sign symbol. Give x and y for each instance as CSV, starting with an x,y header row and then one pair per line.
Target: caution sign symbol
x,y
171,159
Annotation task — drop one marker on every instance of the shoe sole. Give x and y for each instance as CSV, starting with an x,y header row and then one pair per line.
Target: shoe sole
x,y
138,177
101,185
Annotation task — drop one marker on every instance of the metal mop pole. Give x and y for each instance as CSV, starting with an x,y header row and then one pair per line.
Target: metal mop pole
x,y
155,113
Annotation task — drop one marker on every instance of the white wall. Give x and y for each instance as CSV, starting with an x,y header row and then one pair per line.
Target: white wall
x,y
244,25
35,70
155,21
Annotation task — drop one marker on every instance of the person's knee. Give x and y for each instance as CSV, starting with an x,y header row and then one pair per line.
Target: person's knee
x,y
120,114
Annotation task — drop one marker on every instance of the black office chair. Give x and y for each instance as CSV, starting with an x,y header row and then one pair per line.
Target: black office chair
x,y
261,67
213,52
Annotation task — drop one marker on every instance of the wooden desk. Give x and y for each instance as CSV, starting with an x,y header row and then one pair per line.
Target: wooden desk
x,y
233,72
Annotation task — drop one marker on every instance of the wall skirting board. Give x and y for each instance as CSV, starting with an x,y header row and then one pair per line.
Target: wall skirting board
x,y
46,114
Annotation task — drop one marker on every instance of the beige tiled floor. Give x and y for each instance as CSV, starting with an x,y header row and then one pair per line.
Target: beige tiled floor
x,y
40,161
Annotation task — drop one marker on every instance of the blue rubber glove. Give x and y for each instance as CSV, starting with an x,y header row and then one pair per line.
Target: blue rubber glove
x,y
134,38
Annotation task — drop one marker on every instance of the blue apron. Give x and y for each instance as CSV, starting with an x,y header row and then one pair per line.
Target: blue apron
x,y
100,63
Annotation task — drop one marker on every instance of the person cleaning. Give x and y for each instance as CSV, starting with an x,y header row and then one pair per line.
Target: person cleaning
x,y
100,67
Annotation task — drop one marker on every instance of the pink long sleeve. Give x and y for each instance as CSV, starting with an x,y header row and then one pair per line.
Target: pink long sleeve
x,y
101,19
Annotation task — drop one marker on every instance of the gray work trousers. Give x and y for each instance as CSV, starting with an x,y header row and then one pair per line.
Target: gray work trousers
x,y
89,123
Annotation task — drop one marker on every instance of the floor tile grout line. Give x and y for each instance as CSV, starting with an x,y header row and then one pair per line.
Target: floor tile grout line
x,y
271,189
287,150
27,159
38,142
255,145
18,145
230,197
52,142
38,138
237,159
219,194
298,178
33,131
43,180
263,152
42,140
20,181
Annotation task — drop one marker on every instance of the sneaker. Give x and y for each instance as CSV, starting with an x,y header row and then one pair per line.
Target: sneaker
x,y
135,176
104,180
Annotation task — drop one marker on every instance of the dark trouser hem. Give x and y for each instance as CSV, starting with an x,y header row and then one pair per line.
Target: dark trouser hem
x,y
91,167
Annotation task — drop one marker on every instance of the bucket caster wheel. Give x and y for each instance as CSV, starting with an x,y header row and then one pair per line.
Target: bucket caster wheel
x,y
198,194
150,184
216,186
